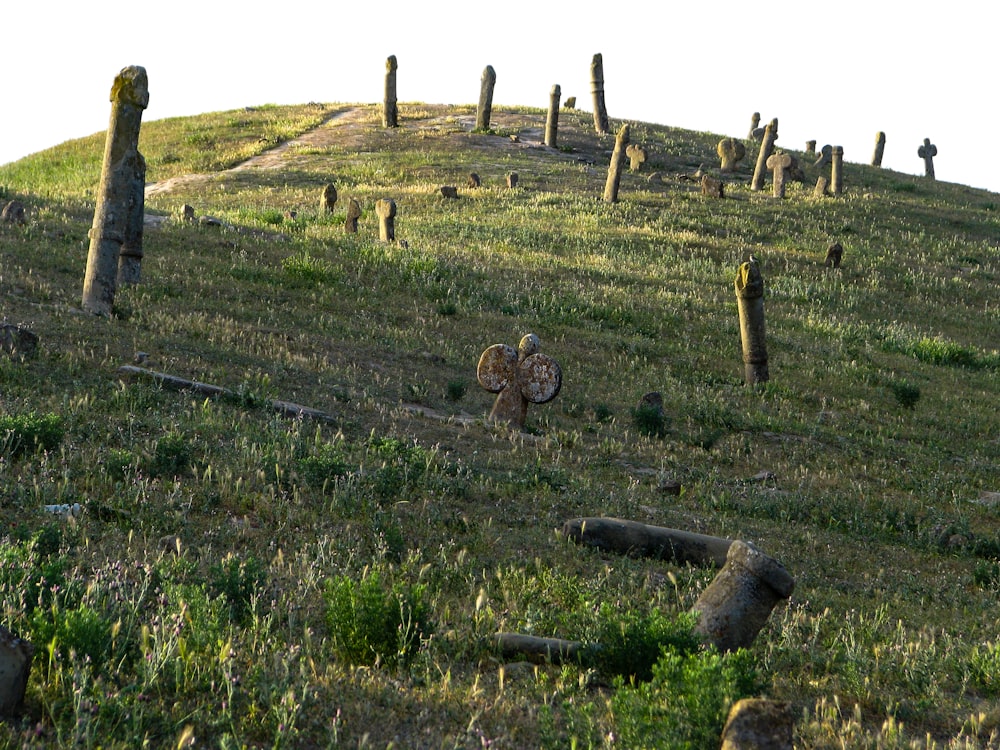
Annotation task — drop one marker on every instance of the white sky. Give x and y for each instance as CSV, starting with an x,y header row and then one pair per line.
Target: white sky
x,y
836,72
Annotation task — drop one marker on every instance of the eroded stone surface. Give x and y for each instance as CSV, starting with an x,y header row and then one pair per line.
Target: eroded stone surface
x,y
520,376
730,152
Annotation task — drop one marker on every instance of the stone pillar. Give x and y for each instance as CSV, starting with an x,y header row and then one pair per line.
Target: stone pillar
x,y
129,97
735,606
512,180
386,210
353,214
927,152
15,667
489,80
750,298
390,112
810,147
879,149
597,90
552,121
615,170
766,147
778,163
633,538
754,123
837,170
130,256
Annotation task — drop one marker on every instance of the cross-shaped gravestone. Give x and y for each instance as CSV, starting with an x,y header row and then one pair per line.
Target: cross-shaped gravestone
x,y
778,163
927,152
520,376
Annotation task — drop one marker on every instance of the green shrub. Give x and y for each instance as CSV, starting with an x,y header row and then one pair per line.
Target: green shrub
x,y
984,665
306,267
906,393
79,632
649,420
26,433
238,580
629,645
371,623
326,465
171,456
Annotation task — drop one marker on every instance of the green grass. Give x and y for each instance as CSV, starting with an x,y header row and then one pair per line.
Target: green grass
x,y
248,579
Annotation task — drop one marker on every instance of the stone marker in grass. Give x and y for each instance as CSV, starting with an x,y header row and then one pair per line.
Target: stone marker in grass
x,y
834,253
766,148
731,152
17,342
837,170
615,168
825,155
822,183
449,191
636,539
13,213
390,110
520,376
570,102
601,124
810,147
754,124
485,109
512,179
927,152
750,299
761,724
116,196
353,214
712,187
879,149
15,666
328,200
474,181
386,210
552,120
637,156
778,164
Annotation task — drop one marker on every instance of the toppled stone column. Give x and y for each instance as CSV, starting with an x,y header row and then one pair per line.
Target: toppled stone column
x,y
15,667
750,299
601,125
130,255
386,210
778,163
552,120
129,97
837,170
638,539
485,109
766,148
927,152
615,169
353,214
520,376
735,606
879,149
390,110
731,152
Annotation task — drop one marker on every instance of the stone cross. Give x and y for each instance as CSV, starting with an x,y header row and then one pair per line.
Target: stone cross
x,y
879,149
328,199
927,152
778,163
130,256
754,122
390,112
730,151
552,121
485,109
386,210
636,156
766,147
520,376
353,214
837,170
615,169
129,97
601,124
750,298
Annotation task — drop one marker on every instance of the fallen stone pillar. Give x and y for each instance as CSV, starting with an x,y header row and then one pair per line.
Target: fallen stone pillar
x,y
641,540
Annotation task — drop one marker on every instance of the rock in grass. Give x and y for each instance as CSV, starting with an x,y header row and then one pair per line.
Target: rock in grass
x,y
15,666
758,724
17,342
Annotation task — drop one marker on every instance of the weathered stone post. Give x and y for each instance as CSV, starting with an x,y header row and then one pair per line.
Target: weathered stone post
x,y
810,147
520,376
512,180
837,170
615,170
353,214
825,155
597,90
731,152
642,540
750,298
927,152
778,163
386,210
879,149
766,147
15,667
328,199
754,123
486,98
390,111
129,97
130,256
552,121
735,606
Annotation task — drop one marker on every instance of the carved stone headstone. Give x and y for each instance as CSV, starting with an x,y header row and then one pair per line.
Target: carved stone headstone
x,y
386,210
17,342
130,256
759,724
328,200
520,376
390,110
879,149
834,253
735,606
731,151
449,191
837,170
512,180
825,155
615,169
15,667
552,120
778,163
766,148
927,152
601,125
750,299
712,187
636,155
754,124
822,183
474,181
129,97
485,109
13,213
353,214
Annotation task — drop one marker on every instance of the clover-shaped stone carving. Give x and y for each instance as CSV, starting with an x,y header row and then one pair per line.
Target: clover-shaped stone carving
x,y
730,151
519,377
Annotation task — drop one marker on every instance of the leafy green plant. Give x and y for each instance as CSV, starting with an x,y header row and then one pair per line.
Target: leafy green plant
x,y
171,456
239,580
906,393
649,420
984,665
308,268
630,644
25,433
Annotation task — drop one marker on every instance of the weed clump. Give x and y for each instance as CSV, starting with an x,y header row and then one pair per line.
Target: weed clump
x,y
21,434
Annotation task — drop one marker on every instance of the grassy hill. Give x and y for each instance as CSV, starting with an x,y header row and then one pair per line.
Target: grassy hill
x,y
242,578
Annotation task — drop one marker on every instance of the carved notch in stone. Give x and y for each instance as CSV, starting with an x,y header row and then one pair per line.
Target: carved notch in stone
x,y
520,376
